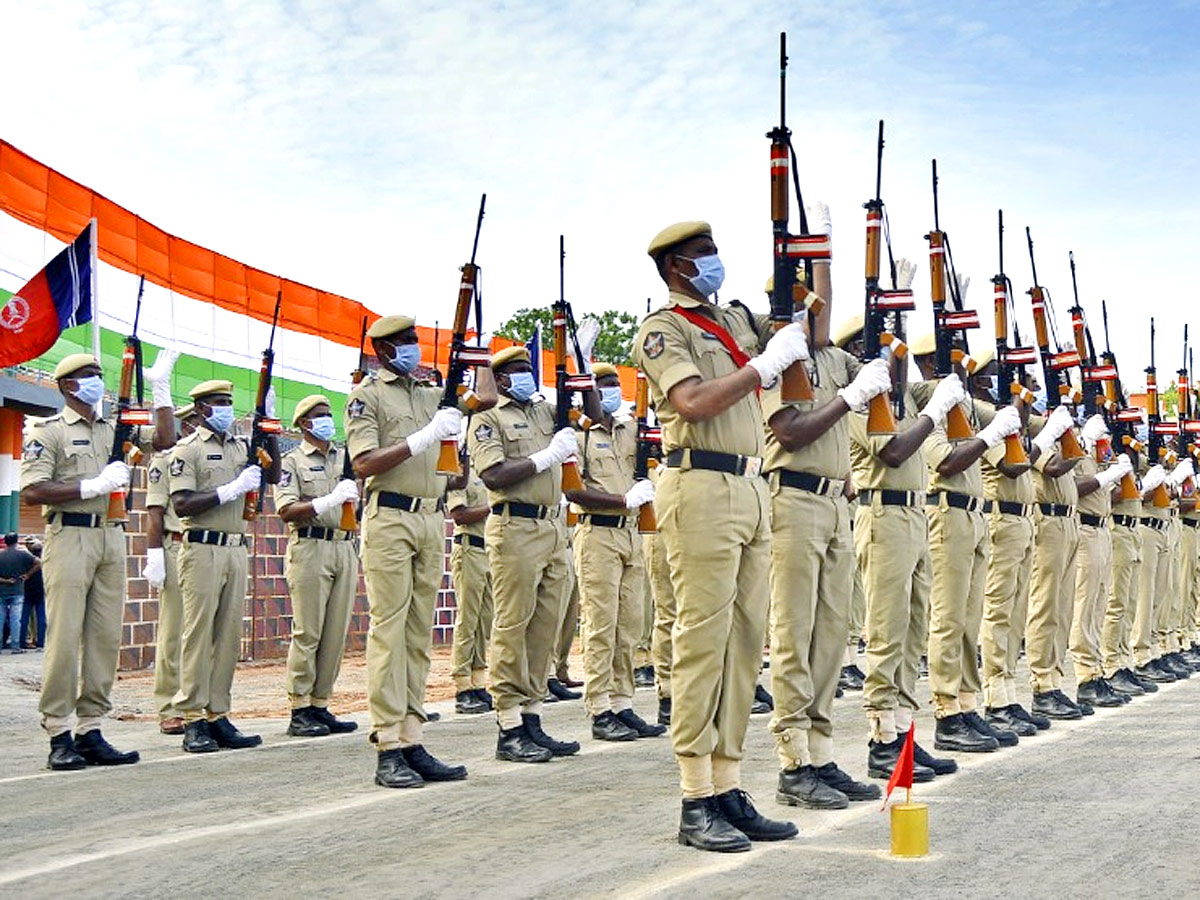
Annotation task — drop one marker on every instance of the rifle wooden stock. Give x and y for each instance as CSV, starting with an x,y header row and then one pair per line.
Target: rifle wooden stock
x,y
1068,445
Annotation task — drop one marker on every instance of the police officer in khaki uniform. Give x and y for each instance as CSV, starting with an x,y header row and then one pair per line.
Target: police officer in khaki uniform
x,y
1152,576
654,551
519,456
608,560
1167,626
469,508
714,516
65,469
209,479
1189,583
558,679
321,567
393,429
164,534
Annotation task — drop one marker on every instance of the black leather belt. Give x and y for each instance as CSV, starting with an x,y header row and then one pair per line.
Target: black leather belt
x,y
317,533
959,501
216,538
605,521
78,520
731,463
1093,521
1056,509
1156,524
1191,523
1125,521
471,540
814,484
888,497
393,500
525,510
1013,508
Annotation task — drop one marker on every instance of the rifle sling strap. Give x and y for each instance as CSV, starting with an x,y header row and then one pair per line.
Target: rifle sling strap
x,y
704,323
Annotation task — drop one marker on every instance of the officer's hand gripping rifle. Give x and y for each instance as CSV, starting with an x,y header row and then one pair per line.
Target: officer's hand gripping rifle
x,y
1121,418
1157,429
462,355
1010,361
349,520
647,438
262,426
129,414
566,383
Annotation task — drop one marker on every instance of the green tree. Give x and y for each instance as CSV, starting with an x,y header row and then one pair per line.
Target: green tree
x,y
520,327
617,330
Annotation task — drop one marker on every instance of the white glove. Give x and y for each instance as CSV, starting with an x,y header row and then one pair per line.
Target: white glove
x,y
641,493
872,380
446,423
906,271
947,395
819,221
1182,473
155,570
269,402
964,282
1056,426
344,490
788,345
1154,478
159,376
249,480
586,333
1006,422
562,447
1119,469
112,477
1094,430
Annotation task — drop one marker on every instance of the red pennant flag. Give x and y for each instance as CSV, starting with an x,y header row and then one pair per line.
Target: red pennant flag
x,y
902,775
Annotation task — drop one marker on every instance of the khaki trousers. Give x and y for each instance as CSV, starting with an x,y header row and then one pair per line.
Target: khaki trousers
x,y
1093,574
568,618
473,618
643,650
611,589
1169,611
84,577
717,532
1152,588
958,550
168,638
856,623
322,578
1052,593
812,564
214,598
402,555
1190,582
664,610
892,547
1122,598
1005,601
530,582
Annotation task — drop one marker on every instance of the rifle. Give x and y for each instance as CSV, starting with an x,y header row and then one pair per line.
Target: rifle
x,y
786,290
129,414
564,383
877,306
1010,361
350,515
945,324
647,438
1121,418
1155,425
462,355
262,426
1053,364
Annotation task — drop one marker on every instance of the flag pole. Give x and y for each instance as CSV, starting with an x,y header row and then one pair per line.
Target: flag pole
x,y
93,272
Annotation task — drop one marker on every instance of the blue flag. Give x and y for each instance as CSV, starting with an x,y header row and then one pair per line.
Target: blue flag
x,y
534,346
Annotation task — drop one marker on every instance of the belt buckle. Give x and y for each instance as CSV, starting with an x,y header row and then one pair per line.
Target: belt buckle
x,y
834,488
751,466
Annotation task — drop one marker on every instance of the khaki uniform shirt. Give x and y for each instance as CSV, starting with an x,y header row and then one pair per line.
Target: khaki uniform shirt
x,y
871,472
383,410
305,472
670,349
1098,502
472,496
512,430
829,455
938,446
158,490
1059,490
607,459
998,486
204,462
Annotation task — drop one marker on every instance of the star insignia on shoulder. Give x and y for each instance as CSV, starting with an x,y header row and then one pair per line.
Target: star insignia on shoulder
x,y
34,450
285,478
654,345
176,467
355,408
154,474
484,433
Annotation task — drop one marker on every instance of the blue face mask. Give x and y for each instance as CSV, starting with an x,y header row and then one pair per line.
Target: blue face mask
x,y
89,390
220,420
710,274
322,427
406,357
521,386
610,399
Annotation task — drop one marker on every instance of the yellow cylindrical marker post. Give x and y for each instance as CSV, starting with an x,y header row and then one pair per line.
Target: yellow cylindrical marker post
x,y
910,829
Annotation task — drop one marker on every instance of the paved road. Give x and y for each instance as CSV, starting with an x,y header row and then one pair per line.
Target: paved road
x,y
1103,807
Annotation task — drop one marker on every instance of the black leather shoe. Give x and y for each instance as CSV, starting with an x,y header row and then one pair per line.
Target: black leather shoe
x,y
1041,723
391,771
607,727
802,787
763,701
630,719
882,759
429,767
1151,671
1001,718
484,697
643,676
921,757
1149,685
664,711
1005,737
63,757
1093,693
197,738
849,680
92,746
515,745
467,703
561,691
227,736
332,722
533,727
1109,691
1177,666
703,826
304,724
1124,682
955,733
1048,704
1085,708
565,678
841,781
739,812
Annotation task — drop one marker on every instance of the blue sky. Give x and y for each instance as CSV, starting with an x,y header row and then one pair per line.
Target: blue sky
x,y
346,144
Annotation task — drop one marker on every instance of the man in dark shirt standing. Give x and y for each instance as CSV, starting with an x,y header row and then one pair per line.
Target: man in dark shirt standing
x,y
16,566
35,601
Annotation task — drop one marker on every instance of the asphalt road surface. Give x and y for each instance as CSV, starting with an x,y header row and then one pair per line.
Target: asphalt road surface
x,y
1105,807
